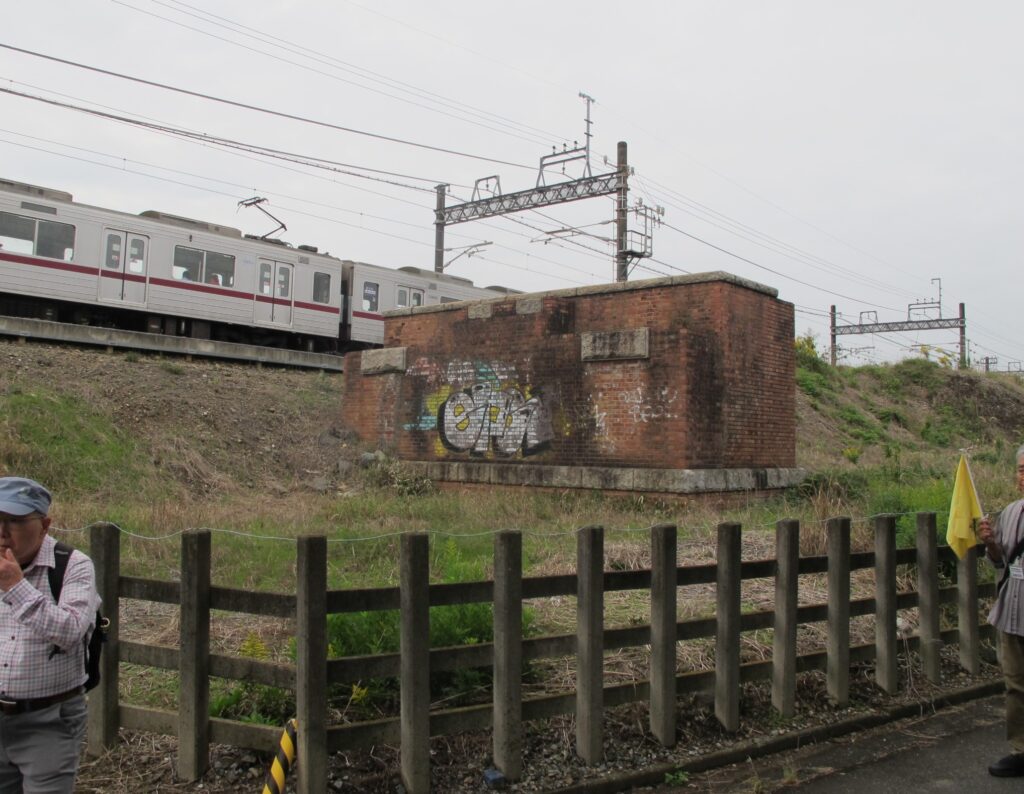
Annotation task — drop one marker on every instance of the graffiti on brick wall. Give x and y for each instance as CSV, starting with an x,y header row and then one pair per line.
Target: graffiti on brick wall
x,y
481,408
650,406
485,416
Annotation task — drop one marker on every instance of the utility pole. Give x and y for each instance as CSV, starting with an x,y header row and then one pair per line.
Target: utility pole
x,y
621,215
832,335
988,362
963,338
439,230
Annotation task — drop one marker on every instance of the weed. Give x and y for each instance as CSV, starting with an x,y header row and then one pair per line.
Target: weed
x,y
393,474
814,384
677,778
892,416
852,453
859,426
171,368
251,702
132,357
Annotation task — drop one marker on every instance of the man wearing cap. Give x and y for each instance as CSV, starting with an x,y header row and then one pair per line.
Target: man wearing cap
x,y
42,647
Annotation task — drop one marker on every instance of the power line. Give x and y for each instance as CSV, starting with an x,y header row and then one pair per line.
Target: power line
x,y
304,51
258,109
213,140
770,270
122,165
772,244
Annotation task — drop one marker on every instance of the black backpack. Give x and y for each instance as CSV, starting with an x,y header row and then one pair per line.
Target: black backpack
x,y
94,642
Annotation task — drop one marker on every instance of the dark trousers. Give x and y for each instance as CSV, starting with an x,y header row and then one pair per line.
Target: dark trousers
x,y
1012,653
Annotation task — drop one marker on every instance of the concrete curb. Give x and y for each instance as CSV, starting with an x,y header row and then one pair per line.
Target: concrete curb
x,y
761,747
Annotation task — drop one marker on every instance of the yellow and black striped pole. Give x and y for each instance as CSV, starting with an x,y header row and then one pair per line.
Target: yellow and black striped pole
x,y
283,760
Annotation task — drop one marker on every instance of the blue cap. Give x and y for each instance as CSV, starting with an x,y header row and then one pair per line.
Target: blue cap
x,y
19,497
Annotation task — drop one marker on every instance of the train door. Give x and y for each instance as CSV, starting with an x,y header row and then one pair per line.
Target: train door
x,y
123,270
274,293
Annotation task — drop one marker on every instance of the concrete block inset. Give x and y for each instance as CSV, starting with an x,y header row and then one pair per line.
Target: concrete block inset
x,y
529,305
615,345
479,311
378,362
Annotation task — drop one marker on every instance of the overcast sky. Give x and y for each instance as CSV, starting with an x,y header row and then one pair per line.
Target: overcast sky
x,y
843,153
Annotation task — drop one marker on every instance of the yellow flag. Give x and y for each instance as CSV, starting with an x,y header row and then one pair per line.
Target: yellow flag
x,y
963,509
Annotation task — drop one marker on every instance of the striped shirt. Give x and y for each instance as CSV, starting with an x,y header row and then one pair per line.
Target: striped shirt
x,y
1007,613
42,643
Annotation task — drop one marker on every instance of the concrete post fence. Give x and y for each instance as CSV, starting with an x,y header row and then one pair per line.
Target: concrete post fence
x,y
505,710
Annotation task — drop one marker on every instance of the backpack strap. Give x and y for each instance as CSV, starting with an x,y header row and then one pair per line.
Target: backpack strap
x,y
61,555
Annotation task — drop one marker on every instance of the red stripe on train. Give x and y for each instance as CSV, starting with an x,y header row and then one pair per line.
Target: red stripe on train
x,y
50,263
123,276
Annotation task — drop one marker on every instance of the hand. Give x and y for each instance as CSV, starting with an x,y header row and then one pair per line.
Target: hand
x,y
10,570
985,534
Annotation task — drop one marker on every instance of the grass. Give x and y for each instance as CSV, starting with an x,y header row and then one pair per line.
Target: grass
x,y
889,446
67,444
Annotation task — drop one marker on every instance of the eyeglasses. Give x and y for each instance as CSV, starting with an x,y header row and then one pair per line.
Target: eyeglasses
x,y
18,522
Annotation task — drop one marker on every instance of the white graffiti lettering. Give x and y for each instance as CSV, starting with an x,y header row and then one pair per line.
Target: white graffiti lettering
x,y
649,408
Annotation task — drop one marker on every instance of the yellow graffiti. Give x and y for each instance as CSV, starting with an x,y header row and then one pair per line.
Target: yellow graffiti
x,y
436,400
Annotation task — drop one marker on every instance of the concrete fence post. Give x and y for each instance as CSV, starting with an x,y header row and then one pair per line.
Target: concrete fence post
x,y
105,550
663,634
886,648
590,643
787,577
311,663
967,611
928,595
194,656
837,532
727,638
508,654
415,662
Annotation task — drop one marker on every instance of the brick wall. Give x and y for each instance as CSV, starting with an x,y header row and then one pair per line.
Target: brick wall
x,y
692,372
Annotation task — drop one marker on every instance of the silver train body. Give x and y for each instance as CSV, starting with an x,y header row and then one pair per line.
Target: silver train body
x,y
70,262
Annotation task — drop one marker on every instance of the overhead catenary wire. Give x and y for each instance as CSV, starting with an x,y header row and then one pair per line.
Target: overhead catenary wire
x,y
263,110
744,232
512,127
771,270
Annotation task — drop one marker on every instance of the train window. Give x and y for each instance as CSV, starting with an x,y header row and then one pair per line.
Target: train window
x,y
449,300
220,269
417,297
402,298
56,240
137,256
266,275
188,264
112,260
17,234
370,296
284,281
321,287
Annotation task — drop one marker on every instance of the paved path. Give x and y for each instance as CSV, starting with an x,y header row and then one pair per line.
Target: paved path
x,y
948,751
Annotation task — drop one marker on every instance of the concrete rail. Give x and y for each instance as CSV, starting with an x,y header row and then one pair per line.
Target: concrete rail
x,y
25,328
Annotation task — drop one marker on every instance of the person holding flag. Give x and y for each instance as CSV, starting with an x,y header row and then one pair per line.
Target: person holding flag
x,y
1004,546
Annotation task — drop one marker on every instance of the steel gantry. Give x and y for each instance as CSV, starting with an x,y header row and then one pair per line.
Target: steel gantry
x,y
901,325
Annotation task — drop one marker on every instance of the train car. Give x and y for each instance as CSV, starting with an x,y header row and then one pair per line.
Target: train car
x,y
70,262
